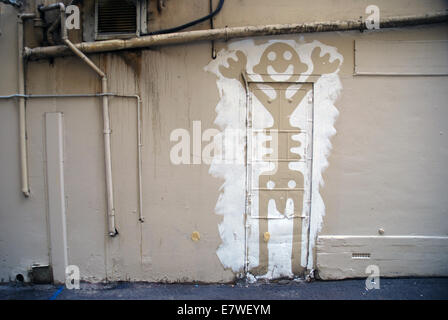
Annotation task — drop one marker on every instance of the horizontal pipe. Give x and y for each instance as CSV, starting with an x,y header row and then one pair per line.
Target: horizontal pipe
x,y
26,15
82,95
53,6
230,33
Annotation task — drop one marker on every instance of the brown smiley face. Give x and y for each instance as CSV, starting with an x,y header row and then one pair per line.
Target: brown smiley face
x,y
280,59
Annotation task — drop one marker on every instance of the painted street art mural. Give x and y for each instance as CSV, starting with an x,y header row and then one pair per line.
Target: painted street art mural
x,y
280,94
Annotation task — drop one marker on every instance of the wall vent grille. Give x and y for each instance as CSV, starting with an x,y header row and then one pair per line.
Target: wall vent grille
x,y
360,256
116,17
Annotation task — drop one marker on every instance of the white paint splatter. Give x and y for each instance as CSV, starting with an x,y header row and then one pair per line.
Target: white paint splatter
x,y
231,114
327,90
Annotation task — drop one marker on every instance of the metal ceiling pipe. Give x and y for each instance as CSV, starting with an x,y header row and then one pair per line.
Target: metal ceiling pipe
x,y
230,33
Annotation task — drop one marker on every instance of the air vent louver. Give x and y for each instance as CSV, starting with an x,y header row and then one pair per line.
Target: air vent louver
x,y
360,256
116,17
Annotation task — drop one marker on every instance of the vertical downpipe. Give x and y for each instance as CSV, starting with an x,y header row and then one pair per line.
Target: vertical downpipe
x,y
22,115
108,162
139,159
248,177
106,123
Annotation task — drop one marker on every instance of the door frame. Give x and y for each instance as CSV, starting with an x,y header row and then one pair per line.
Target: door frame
x,y
255,79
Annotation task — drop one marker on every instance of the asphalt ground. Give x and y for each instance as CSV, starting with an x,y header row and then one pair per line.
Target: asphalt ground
x,y
354,289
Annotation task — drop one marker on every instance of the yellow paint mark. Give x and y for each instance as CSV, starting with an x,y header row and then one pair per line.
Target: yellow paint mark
x,y
195,236
266,236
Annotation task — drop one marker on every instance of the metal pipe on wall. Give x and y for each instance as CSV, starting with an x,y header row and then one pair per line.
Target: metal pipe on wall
x,y
139,157
108,161
22,117
230,33
22,106
139,130
106,125
106,120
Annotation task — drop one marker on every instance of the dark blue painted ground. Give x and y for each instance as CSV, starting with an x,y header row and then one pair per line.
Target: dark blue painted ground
x,y
406,288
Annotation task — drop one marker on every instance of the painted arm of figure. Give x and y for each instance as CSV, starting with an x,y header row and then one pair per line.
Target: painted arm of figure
x,y
321,66
234,71
235,68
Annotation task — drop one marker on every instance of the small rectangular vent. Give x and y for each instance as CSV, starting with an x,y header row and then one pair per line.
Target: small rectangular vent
x,y
360,256
41,274
116,16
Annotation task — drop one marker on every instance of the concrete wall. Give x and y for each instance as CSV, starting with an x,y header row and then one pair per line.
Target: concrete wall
x,y
386,163
23,223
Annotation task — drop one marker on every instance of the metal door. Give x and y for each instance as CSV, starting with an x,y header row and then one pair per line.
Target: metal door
x,y
279,165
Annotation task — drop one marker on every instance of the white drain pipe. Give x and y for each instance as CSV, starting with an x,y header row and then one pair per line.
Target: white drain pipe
x,y
22,112
106,120
108,161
